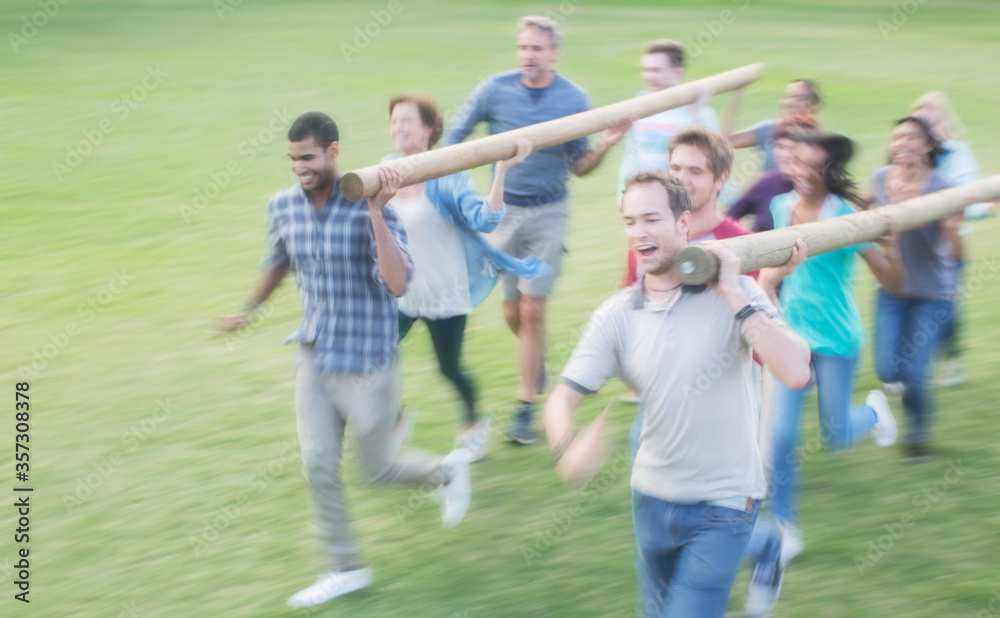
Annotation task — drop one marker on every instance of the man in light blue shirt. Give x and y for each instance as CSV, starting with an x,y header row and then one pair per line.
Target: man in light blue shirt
x,y
537,207
647,145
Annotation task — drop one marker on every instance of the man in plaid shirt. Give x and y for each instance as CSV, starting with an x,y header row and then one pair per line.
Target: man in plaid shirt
x,y
351,262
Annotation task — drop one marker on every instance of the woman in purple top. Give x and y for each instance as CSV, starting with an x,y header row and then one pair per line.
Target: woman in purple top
x,y
909,323
756,202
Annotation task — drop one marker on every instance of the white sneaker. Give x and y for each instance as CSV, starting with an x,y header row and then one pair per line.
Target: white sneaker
x,y
791,541
893,388
457,494
884,430
475,442
330,586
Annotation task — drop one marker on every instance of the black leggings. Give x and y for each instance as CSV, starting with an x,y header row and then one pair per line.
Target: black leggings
x,y
447,337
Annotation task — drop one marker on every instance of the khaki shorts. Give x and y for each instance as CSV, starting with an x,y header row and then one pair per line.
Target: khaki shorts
x,y
532,230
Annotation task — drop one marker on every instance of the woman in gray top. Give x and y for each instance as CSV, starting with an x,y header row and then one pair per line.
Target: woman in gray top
x,y
910,323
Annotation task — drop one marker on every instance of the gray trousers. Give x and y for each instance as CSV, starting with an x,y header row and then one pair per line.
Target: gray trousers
x,y
323,405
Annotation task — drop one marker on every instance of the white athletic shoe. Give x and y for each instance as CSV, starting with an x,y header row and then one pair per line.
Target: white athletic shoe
x,y
475,442
893,388
457,494
884,430
330,586
791,541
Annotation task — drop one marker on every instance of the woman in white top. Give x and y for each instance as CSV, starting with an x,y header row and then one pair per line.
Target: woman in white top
x,y
454,267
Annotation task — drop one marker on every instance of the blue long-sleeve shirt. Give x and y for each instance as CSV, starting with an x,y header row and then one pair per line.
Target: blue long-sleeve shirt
x,y
505,103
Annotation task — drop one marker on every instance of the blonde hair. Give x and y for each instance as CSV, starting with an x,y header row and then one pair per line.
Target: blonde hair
x,y
937,101
545,25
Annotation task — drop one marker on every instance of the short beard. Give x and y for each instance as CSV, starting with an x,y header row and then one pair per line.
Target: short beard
x,y
664,266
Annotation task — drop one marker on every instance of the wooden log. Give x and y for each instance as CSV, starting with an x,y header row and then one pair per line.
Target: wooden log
x,y
773,248
364,183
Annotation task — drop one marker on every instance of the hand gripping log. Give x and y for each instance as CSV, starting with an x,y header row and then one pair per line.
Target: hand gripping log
x,y
773,248
364,183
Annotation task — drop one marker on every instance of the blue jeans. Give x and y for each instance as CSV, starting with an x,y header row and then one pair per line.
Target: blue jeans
x,y
907,333
841,425
764,544
687,555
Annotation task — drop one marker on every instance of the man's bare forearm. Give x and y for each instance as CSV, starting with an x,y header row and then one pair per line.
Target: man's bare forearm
x,y
392,263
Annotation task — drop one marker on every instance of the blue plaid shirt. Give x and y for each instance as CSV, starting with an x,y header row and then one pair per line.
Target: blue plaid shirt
x,y
350,317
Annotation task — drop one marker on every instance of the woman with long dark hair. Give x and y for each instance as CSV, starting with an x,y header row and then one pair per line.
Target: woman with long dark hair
x,y
817,301
910,320
756,202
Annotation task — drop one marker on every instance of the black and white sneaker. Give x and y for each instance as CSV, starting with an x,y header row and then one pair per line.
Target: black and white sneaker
x,y
765,580
519,428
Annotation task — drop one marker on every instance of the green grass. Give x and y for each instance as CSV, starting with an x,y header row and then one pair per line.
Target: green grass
x,y
228,437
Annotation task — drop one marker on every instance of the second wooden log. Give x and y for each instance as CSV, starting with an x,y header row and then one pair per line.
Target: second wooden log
x,y
773,248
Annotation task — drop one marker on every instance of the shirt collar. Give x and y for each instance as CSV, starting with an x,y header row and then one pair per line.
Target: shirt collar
x,y
639,297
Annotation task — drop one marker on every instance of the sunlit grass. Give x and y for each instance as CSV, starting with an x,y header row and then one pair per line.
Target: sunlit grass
x,y
205,512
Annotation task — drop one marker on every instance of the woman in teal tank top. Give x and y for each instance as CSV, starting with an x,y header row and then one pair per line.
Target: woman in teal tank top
x,y
817,301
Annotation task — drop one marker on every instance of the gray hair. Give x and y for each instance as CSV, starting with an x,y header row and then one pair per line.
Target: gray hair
x,y
544,24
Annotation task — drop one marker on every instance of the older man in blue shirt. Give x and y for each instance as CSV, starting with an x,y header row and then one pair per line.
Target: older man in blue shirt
x,y
537,207
351,262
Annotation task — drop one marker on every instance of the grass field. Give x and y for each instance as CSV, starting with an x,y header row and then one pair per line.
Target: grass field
x,y
141,141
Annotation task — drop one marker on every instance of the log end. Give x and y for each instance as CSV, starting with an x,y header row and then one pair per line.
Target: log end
x,y
697,266
352,186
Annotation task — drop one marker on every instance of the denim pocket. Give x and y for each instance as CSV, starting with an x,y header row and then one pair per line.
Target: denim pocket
x,y
739,522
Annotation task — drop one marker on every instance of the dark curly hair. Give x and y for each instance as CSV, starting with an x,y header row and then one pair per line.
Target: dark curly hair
x,y
937,149
839,150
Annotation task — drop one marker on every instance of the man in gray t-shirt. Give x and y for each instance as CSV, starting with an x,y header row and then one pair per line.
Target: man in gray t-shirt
x,y
698,477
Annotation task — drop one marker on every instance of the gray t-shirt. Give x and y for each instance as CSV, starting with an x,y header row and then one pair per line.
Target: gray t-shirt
x,y
692,366
931,272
